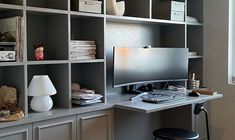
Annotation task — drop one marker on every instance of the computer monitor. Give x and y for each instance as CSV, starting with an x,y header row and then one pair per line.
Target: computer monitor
x,y
146,65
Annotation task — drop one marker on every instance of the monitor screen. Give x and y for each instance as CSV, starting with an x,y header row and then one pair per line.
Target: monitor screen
x,y
145,65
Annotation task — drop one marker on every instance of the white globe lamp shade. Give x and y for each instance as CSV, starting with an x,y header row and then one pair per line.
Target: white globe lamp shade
x,y
41,88
41,85
41,103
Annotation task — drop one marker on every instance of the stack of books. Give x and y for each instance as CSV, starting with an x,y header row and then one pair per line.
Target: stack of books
x,y
85,97
12,32
80,49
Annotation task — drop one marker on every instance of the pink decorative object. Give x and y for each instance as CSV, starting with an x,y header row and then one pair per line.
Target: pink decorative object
x,y
38,52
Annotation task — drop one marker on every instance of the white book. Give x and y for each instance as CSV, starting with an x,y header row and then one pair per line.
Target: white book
x,y
86,96
82,53
85,102
74,48
82,42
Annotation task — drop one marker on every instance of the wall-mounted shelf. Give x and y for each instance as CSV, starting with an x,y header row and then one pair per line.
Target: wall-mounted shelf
x,y
46,11
126,19
12,63
73,14
55,24
10,6
47,62
88,61
195,57
194,24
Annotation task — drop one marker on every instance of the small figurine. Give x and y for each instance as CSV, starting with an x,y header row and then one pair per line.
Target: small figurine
x,y
38,52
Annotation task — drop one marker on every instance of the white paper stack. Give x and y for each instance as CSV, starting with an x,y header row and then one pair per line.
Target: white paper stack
x,y
80,49
85,98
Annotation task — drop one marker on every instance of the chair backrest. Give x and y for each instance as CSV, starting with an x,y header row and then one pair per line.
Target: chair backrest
x,y
198,108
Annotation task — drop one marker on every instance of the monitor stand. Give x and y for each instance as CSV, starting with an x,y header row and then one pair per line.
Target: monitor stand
x,y
144,88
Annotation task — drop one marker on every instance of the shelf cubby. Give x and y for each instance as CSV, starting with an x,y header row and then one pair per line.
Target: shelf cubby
x,y
89,28
5,13
13,76
141,8
173,36
50,29
195,9
52,4
89,75
195,39
59,75
131,35
195,66
13,2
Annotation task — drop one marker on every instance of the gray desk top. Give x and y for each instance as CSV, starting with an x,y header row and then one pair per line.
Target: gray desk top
x,y
140,106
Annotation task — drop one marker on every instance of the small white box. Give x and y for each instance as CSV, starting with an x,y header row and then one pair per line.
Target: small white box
x,y
172,15
192,53
7,56
165,6
93,6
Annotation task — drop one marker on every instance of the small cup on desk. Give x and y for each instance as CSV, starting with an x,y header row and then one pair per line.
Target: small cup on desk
x,y
194,84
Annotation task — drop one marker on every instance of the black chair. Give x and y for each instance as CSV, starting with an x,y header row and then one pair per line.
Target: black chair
x,y
183,134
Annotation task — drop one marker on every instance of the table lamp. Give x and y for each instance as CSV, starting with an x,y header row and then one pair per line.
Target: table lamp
x,y
41,88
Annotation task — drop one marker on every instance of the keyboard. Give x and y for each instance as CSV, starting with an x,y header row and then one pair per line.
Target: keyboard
x,y
163,96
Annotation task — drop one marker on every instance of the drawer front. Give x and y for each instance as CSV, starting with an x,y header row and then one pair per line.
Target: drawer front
x,y
94,126
23,132
55,129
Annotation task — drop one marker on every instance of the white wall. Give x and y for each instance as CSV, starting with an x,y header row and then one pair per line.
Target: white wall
x,y
216,69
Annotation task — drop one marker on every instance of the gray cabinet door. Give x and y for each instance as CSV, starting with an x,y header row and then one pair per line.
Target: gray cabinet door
x,y
22,132
95,126
55,129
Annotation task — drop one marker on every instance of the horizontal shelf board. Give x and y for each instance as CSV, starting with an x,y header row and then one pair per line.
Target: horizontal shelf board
x,y
46,11
11,63
140,20
47,62
194,57
163,21
194,24
7,43
10,6
88,61
75,14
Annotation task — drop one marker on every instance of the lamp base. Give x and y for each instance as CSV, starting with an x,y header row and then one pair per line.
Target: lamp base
x,y
41,103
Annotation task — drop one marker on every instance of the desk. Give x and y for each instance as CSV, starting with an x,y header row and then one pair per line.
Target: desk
x,y
136,120
140,106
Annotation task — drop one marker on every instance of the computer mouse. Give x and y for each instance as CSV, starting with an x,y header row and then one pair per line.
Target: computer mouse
x,y
194,94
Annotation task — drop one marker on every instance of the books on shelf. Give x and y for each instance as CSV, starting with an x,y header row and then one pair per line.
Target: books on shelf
x,y
205,91
12,35
80,49
85,102
85,97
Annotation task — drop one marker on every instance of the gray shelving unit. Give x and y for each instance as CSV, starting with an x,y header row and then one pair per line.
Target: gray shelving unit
x,y
55,24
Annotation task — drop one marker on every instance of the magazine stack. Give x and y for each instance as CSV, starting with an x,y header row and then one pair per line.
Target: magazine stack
x,y
84,96
80,49
11,39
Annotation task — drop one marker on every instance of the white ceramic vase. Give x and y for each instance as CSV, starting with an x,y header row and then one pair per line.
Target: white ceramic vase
x,y
115,8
